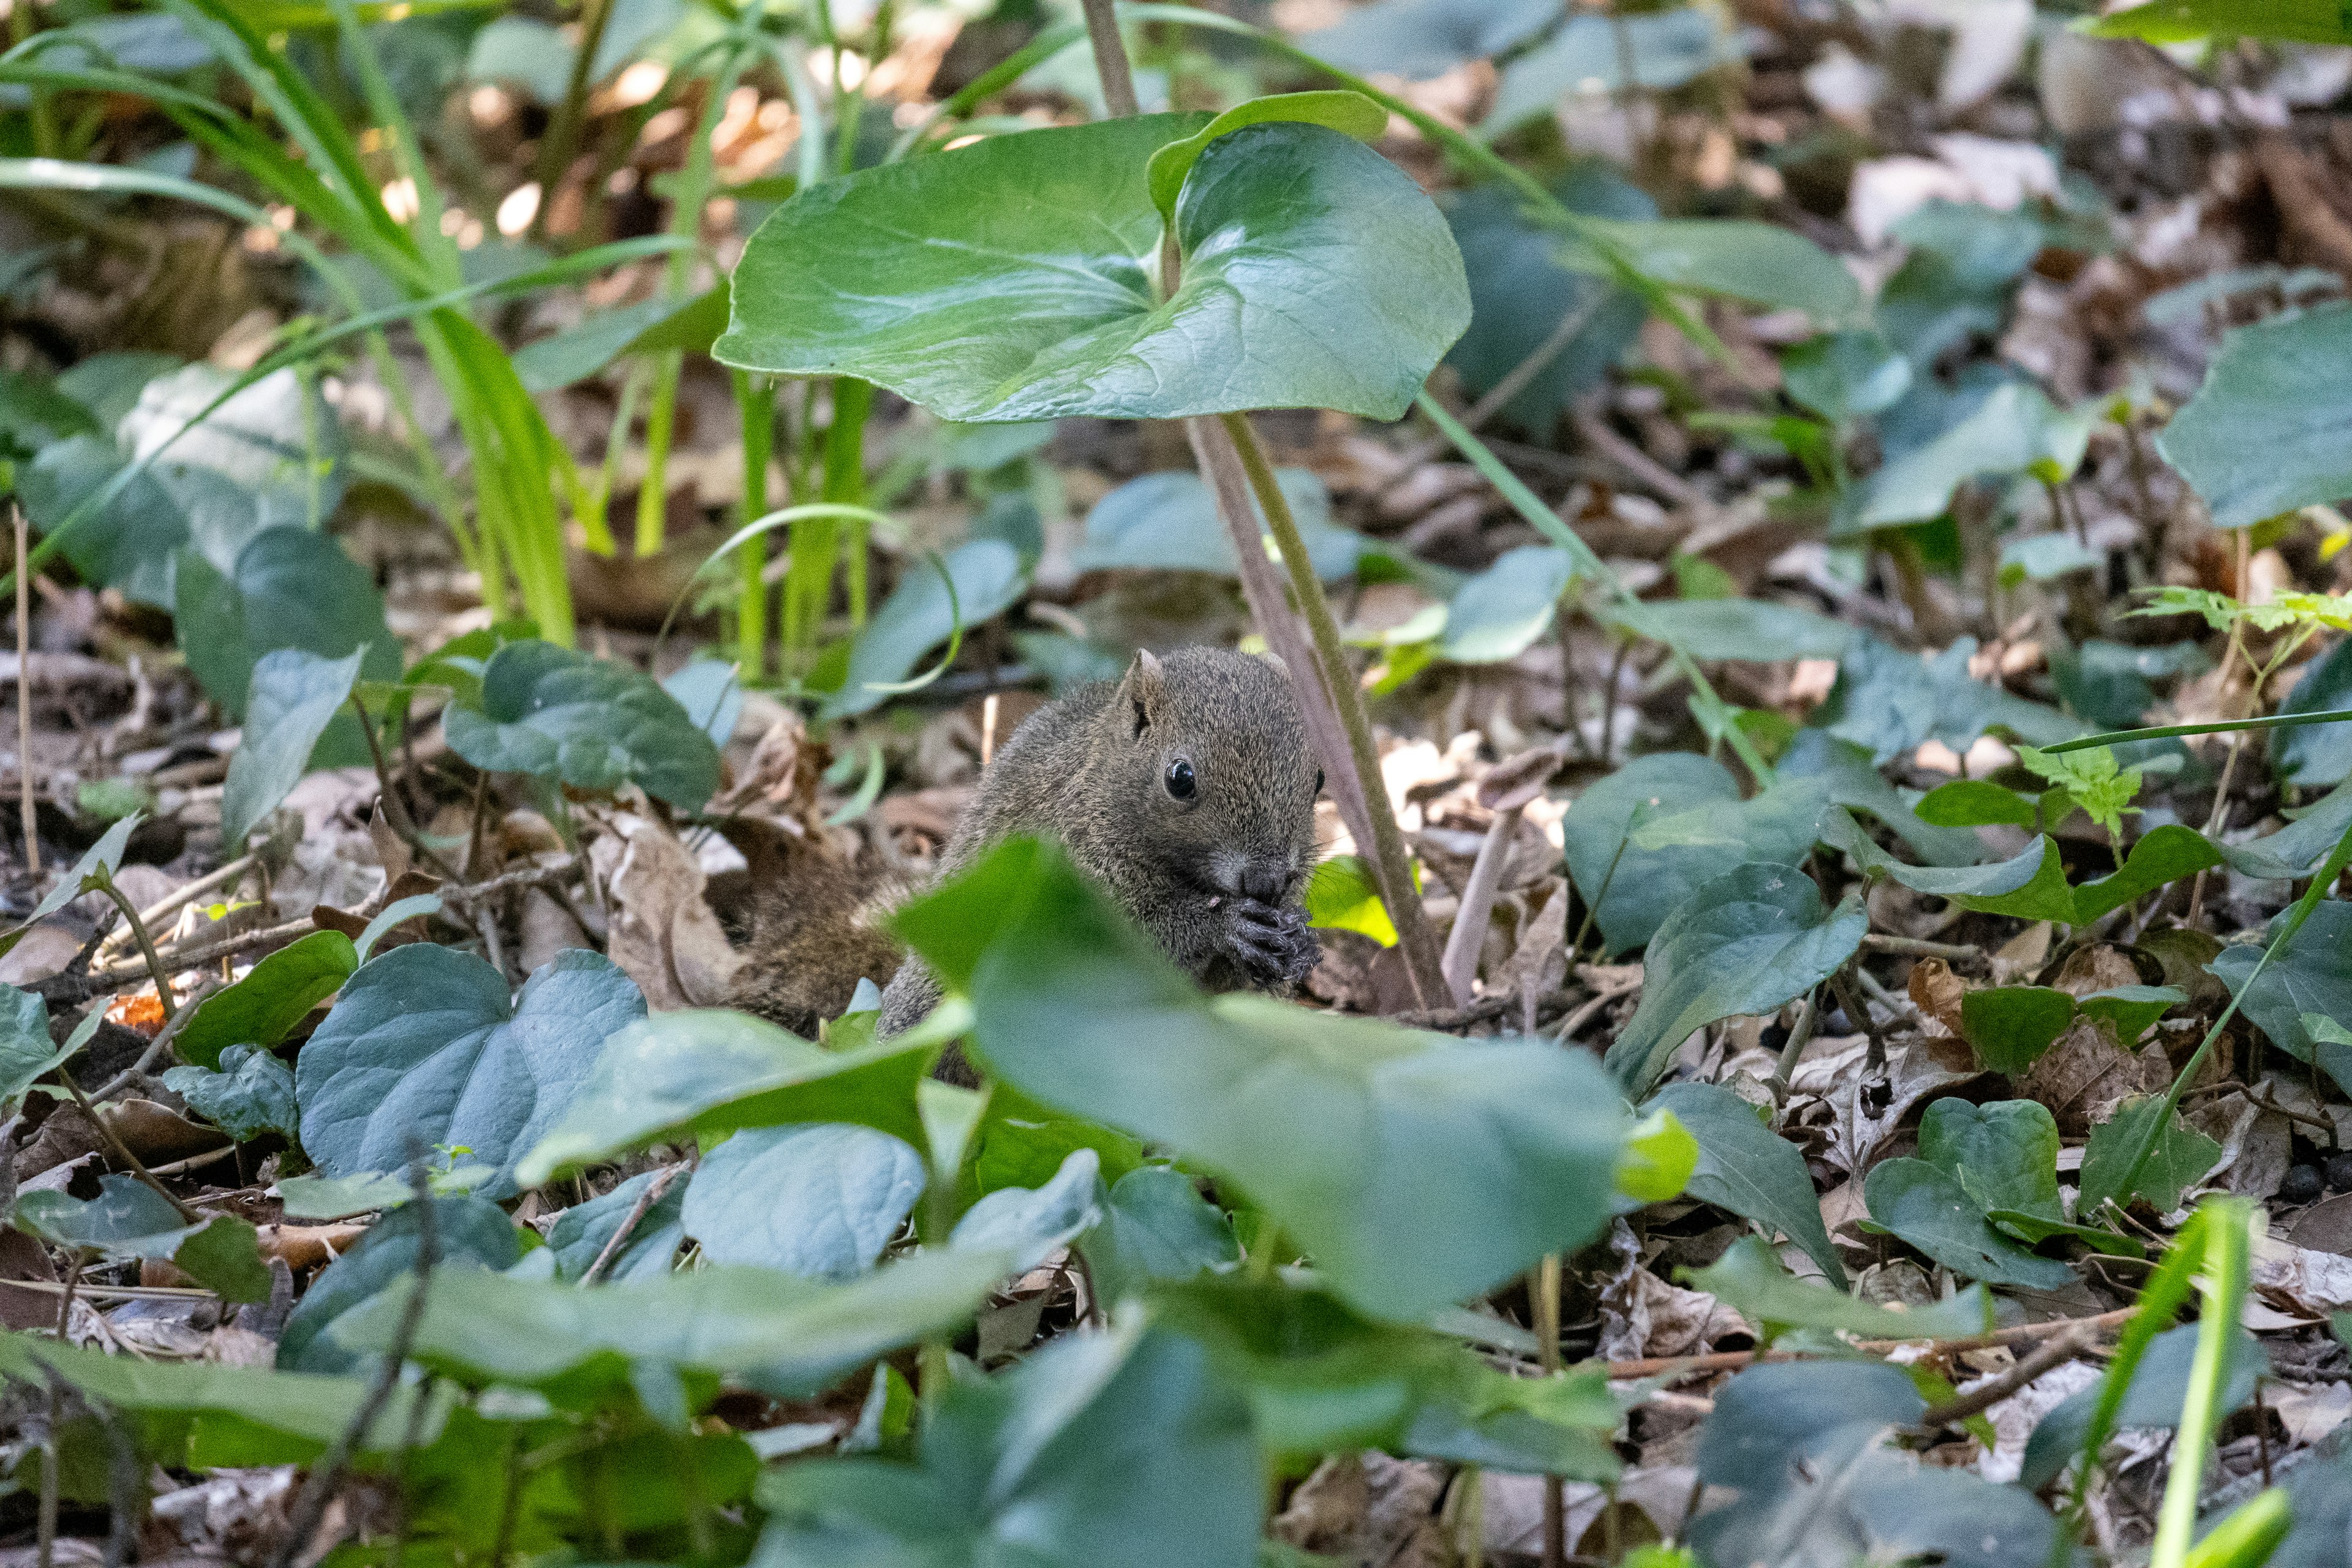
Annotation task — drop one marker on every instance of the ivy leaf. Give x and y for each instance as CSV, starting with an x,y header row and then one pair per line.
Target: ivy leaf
x,y
1014,278
1028,1223
584,721
2003,1154
2009,1026
275,995
2178,1160
2310,978
1739,945
253,1093
820,1201
424,1045
26,1051
1415,1170
469,1234
1156,1226
1746,1167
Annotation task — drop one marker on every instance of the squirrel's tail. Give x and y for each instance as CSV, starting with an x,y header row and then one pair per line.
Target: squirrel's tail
x,y
815,930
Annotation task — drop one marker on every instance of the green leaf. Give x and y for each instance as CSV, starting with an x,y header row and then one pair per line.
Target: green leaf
x,y
1890,701
275,995
2265,434
1844,376
1422,38
708,1073
1932,1212
1028,1223
1730,628
820,1201
1416,1171
1168,522
2004,1154
126,544
1744,1166
2185,21
2045,558
1762,263
1342,895
2181,1158
1012,279
1098,1451
788,1336
1658,827
469,1234
1349,113
919,614
2310,976
253,1093
1749,1280
2031,885
664,321
425,1046
293,697
290,588
2315,754
224,1255
316,1411
1588,55
582,1232
1976,803
1497,614
2010,1025
586,722
1739,945
2091,778
2131,1010
333,1198
2015,431
26,1050
128,1218
1156,1226
2152,1401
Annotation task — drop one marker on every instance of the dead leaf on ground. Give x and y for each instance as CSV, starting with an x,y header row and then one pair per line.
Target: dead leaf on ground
x,y
1936,991
2085,1075
663,933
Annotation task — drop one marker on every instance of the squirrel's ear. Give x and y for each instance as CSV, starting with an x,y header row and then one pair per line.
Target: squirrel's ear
x,y
1141,690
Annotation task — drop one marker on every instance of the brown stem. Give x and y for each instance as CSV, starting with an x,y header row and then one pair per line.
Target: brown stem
x,y
1110,58
2062,1348
1394,867
638,1210
146,943
1460,964
1555,1499
25,705
122,1150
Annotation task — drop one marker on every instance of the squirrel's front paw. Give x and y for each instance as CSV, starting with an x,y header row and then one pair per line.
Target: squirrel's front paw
x,y
1273,946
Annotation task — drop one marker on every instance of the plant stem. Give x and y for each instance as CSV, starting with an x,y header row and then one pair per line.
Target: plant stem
x,y
555,147
1546,1315
661,420
2225,1292
1424,962
25,704
1110,58
122,1150
139,934
2168,731
755,397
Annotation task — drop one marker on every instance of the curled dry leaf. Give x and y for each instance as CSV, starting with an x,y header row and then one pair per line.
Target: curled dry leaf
x,y
2085,1075
663,933
1936,991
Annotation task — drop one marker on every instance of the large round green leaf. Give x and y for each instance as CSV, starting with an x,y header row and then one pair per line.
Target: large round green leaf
x,y
423,1045
586,722
820,1201
1013,279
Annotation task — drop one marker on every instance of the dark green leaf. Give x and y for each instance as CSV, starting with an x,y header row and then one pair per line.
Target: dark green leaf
x,y
106,855
713,1072
1976,803
425,1046
1028,1223
26,1051
820,1201
1156,1226
2311,974
468,1234
330,1197
1349,113
2010,1025
1749,1279
919,616
128,1217
1416,1171
588,722
224,1255
253,1093
1890,701
126,544
2004,1154
1424,38
1126,1449
1009,279
2131,1010
2015,431
2265,434
2313,755
789,1337
1844,376
1662,825
1666,49
275,995
1731,628
664,321
582,1232
2178,1160
1744,1166
2159,1385
290,588
1739,945
1932,1212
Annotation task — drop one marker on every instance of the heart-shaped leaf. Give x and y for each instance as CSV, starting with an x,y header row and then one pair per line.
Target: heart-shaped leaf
x,y
468,1234
293,697
2010,1025
1744,1166
1013,279
274,996
585,722
819,1202
2003,1154
1931,1211
2265,434
1156,1225
290,588
253,1093
1415,1170
1349,113
1031,1222
425,1046
1740,945
26,1051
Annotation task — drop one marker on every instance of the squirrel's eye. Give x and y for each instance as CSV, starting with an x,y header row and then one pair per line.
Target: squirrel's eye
x,y
1318,781
1179,779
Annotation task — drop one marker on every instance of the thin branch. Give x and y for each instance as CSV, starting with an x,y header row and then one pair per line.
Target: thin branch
x,y
1460,964
1731,1360
1985,1395
1110,58
25,713
122,1151
146,943
638,1210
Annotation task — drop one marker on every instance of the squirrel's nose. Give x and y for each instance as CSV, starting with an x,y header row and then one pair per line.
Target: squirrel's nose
x,y
1266,882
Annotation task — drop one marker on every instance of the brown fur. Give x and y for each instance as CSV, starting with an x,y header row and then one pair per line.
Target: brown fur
x,y
1217,880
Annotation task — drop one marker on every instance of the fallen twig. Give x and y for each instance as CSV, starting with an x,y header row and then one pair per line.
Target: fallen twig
x,y
1731,1360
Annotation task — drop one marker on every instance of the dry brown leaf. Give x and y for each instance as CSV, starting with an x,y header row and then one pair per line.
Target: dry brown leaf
x,y
1936,991
1367,1509
2085,1075
2099,967
2314,1284
663,933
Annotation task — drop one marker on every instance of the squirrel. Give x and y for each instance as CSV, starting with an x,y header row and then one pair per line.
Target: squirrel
x,y
1186,789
